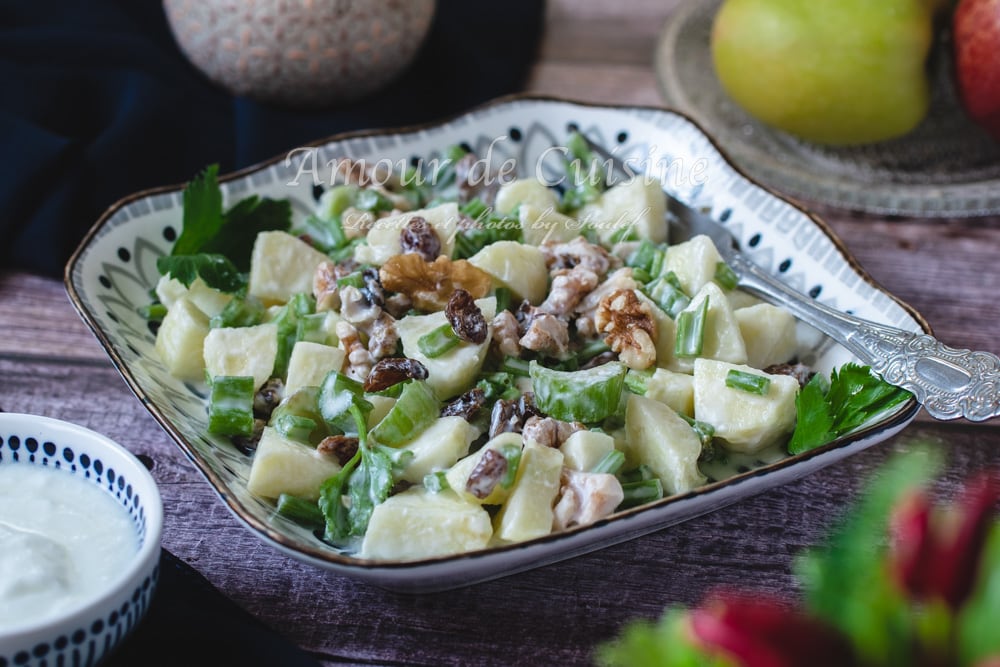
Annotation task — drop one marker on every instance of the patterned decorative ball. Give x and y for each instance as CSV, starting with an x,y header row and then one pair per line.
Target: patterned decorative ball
x,y
303,53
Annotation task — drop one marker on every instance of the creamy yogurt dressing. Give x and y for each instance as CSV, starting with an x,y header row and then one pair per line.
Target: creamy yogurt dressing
x,y
62,541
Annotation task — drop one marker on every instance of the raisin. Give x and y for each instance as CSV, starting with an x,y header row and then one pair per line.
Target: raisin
x,y
341,447
393,370
465,317
465,406
419,237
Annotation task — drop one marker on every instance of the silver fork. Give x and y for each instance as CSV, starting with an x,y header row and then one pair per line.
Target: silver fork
x,y
948,382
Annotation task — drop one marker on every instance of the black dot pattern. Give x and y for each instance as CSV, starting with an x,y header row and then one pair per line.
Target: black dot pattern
x,y
87,644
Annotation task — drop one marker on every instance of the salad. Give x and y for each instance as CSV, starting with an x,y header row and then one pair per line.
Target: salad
x,y
436,363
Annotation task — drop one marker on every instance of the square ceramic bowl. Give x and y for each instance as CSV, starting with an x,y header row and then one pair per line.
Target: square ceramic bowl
x,y
110,276
93,624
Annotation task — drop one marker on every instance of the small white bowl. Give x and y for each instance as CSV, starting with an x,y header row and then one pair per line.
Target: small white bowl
x,y
90,629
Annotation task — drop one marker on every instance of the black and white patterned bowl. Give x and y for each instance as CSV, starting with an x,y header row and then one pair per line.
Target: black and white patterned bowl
x,y
87,632
114,268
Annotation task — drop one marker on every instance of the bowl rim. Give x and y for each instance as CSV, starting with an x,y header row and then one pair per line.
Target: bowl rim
x,y
144,559
342,562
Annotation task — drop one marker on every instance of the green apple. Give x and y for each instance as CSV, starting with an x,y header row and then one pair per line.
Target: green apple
x,y
836,72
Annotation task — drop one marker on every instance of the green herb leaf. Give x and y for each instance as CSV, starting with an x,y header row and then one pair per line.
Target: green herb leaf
x,y
202,213
368,487
216,270
331,503
814,421
242,223
854,396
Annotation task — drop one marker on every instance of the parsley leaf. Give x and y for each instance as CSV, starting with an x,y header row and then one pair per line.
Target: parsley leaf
x,y
815,417
216,270
369,486
217,245
202,212
826,412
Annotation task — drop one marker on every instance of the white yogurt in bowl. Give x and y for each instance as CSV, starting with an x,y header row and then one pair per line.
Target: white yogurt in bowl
x,y
62,540
80,526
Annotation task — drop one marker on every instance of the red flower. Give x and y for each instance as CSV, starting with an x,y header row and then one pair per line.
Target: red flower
x,y
762,631
941,560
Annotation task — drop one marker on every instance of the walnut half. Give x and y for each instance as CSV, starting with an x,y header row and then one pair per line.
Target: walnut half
x,y
430,284
629,328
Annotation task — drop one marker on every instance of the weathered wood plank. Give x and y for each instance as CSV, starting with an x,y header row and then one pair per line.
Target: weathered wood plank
x,y
557,613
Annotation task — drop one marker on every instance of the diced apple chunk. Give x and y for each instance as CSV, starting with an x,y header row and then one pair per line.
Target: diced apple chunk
x,y
458,475
517,266
208,299
769,333
282,265
452,372
524,191
747,422
694,262
638,204
244,351
666,443
180,340
437,447
418,524
383,240
281,466
673,389
528,514
582,450
309,363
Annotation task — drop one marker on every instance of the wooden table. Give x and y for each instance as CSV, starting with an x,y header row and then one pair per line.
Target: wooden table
x,y
52,365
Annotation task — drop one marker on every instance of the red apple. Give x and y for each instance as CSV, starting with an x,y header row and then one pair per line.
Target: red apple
x,y
976,39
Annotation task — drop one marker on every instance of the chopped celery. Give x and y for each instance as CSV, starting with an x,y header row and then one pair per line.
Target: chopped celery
x,y
241,311
691,331
299,306
436,482
515,366
336,200
312,328
587,395
748,382
512,454
667,293
294,427
413,411
703,430
610,463
230,407
725,276
436,342
291,415
641,492
635,380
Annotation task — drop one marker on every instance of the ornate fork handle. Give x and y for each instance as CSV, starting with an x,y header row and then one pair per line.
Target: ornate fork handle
x,y
948,382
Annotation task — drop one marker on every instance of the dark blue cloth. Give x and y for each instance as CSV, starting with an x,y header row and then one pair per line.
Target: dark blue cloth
x,y
191,624
97,102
